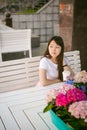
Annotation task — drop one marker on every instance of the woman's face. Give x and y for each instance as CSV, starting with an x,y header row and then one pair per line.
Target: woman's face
x,y
54,49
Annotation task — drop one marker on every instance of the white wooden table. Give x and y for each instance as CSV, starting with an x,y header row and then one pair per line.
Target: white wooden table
x,y
23,109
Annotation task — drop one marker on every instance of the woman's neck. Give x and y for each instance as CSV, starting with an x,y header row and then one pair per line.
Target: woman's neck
x,y
54,60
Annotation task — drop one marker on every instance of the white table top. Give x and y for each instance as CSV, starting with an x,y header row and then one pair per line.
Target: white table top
x,y
23,109
4,27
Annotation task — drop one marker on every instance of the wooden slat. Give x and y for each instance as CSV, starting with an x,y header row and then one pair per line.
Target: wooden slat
x,y
13,62
1,124
5,114
12,72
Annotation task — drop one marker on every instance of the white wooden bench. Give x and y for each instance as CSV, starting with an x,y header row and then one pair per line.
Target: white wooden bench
x,y
23,73
15,41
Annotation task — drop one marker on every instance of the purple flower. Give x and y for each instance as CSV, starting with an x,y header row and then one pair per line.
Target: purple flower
x,y
69,82
83,88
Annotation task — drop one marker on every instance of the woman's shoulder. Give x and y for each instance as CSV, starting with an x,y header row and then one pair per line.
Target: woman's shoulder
x,y
43,62
44,59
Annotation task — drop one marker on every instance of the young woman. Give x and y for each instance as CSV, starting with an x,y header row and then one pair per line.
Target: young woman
x,y
53,62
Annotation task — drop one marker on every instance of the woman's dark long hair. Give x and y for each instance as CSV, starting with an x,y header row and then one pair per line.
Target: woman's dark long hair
x,y
59,41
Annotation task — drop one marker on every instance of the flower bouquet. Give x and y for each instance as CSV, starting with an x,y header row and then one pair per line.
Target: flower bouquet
x,y
69,104
79,80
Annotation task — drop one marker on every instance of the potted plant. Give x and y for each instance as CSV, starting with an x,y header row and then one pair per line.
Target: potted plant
x,y
68,107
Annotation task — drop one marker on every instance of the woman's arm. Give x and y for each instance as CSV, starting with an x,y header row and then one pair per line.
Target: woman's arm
x,y
43,78
67,67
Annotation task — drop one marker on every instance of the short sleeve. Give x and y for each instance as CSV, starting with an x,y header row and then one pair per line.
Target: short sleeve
x,y
43,64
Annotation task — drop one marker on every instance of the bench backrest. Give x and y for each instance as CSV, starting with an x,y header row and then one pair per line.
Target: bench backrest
x,y
20,73
15,41
74,60
23,73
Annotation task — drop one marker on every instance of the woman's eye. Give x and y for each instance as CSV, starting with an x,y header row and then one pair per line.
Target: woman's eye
x,y
57,47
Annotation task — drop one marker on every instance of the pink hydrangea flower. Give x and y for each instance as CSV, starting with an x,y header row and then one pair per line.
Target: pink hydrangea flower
x,y
81,77
65,87
61,100
79,110
75,95
72,95
51,94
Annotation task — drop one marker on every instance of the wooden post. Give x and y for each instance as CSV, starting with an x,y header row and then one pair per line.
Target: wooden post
x,y
79,35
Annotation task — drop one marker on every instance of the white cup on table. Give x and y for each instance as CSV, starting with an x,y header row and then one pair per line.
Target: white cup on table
x,y
66,75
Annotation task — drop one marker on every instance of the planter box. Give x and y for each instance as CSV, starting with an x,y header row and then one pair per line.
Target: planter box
x,y
58,122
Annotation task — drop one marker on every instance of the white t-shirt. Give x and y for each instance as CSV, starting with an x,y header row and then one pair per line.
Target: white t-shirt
x,y
50,67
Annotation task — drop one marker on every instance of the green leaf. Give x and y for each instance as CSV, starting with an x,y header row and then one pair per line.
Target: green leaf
x,y
48,107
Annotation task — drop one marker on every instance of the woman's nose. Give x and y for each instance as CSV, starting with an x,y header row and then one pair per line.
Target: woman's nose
x,y
54,48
